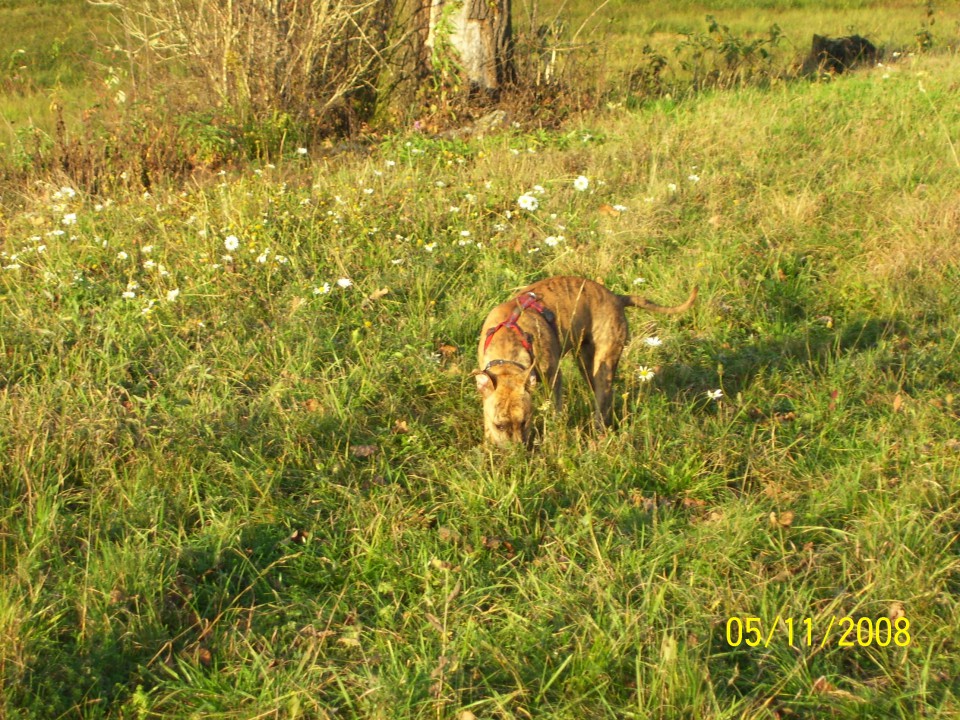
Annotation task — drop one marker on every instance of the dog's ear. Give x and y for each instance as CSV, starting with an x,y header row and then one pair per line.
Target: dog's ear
x,y
485,382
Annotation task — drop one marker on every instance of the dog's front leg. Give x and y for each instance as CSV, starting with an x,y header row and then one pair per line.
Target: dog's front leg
x,y
556,386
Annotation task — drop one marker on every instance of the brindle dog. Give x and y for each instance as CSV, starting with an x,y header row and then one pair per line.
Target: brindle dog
x,y
524,338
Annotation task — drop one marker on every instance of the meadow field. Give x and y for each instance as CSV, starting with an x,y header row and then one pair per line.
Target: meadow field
x,y
241,468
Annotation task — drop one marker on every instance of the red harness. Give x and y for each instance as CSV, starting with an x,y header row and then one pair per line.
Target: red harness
x,y
527,301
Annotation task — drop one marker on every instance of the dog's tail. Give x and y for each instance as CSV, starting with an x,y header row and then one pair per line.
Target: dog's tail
x,y
644,304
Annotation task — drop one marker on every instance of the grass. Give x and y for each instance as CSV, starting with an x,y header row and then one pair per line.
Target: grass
x,y
257,498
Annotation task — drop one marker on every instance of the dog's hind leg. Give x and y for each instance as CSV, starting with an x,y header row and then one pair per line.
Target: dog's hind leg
x,y
607,346
604,371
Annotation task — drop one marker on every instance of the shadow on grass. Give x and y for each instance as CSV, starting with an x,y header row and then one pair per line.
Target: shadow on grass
x,y
212,595
813,348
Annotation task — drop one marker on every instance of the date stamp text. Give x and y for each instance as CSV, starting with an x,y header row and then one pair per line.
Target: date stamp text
x,y
844,632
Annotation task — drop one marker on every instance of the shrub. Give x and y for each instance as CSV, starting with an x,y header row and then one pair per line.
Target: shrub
x,y
320,59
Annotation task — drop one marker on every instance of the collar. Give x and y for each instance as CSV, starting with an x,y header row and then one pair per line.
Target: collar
x,y
495,363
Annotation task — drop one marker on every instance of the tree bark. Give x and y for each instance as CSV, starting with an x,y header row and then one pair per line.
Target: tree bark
x,y
481,34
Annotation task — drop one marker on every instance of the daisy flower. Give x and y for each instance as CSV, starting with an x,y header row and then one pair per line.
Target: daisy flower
x,y
322,290
172,295
581,183
645,374
653,341
231,242
344,282
528,202
715,394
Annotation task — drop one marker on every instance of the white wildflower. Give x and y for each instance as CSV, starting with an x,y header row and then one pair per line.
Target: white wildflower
x,y
528,202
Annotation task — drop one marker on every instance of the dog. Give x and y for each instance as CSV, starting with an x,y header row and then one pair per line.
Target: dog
x,y
523,339
838,54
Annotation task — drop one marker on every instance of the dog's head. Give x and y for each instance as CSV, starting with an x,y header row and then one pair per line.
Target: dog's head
x,y
506,392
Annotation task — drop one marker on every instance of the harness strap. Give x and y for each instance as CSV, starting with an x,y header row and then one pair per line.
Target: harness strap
x,y
527,301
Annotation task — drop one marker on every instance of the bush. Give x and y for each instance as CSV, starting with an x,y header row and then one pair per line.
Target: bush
x,y
320,60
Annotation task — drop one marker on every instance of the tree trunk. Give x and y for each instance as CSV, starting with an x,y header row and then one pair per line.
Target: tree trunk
x,y
479,31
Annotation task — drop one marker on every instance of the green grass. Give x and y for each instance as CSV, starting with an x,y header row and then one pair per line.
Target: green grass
x,y
253,498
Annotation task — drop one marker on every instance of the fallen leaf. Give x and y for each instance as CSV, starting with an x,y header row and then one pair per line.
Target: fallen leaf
x,y
447,534
400,427
299,537
783,575
375,295
784,519
363,451
490,543
608,210
311,405
821,686
897,402
896,611
495,543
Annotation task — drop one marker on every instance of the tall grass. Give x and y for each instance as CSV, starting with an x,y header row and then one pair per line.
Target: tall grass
x,y
234,487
